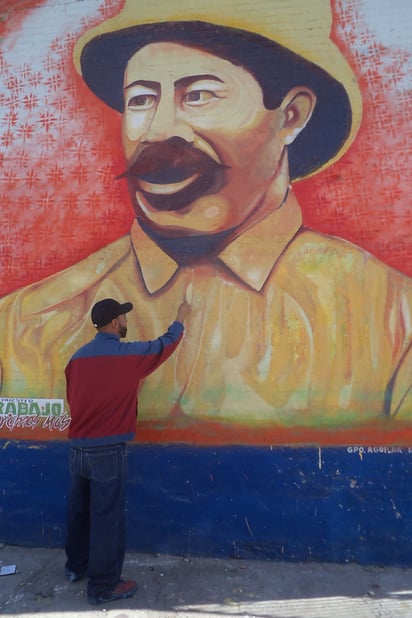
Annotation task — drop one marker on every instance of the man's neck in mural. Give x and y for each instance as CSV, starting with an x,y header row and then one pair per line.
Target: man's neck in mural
x,y
186,250
189,249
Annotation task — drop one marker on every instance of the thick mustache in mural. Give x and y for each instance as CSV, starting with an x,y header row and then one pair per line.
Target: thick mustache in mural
x,y
171,174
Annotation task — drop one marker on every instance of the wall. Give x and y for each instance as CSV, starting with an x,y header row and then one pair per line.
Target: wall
x,y
281,427
295,504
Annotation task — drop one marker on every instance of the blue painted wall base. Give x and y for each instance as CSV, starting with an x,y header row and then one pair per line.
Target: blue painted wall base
x,y
294,504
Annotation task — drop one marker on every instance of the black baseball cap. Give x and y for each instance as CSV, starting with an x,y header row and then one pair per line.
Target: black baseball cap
x,y
104,311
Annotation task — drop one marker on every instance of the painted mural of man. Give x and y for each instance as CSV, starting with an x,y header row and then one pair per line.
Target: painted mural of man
x,y
223,107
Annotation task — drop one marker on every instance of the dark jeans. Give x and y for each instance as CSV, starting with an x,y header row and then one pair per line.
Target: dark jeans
x,y
96,543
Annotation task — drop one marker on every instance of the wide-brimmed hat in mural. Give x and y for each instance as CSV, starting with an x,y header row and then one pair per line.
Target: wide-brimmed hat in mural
x,y
283,44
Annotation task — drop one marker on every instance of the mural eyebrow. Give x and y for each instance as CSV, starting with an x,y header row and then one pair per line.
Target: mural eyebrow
x,y
190,79
143,82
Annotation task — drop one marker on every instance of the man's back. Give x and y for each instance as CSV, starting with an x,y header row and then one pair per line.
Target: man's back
x,y
103,378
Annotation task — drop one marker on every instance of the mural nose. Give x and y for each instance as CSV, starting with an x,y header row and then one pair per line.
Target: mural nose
x,y
166,124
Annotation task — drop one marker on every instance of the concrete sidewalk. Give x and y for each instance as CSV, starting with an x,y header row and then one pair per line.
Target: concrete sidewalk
x,y
197,587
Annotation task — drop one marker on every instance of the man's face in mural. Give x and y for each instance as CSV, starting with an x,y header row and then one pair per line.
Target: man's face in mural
x,y
202,149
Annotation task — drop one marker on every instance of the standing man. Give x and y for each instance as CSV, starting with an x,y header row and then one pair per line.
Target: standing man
x,y
103,380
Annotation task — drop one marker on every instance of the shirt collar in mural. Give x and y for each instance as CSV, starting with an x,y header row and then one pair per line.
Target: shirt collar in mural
x,y
251,256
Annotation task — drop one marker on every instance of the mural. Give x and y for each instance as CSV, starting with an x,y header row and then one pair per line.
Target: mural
x,y
155,151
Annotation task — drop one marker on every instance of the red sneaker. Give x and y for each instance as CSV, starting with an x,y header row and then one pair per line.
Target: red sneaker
x,y
123,590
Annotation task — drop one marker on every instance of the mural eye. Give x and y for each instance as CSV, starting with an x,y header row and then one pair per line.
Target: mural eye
x,y
141,101
199,97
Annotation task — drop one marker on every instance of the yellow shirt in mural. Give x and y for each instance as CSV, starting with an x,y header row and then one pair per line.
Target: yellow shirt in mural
x,y
289,328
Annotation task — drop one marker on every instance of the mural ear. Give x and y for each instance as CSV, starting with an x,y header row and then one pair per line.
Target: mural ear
x,y
297,106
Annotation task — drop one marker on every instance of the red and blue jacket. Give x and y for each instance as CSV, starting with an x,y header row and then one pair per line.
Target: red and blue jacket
x,y
102,384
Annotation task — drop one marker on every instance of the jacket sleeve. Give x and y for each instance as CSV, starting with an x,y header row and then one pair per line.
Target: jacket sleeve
x,y
151,354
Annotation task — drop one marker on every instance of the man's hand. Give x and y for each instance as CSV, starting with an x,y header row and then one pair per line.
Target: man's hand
x,y
183,311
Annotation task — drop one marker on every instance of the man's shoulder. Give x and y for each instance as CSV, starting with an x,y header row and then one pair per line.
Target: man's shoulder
x,y
55,291
318,253
320,243
84,351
